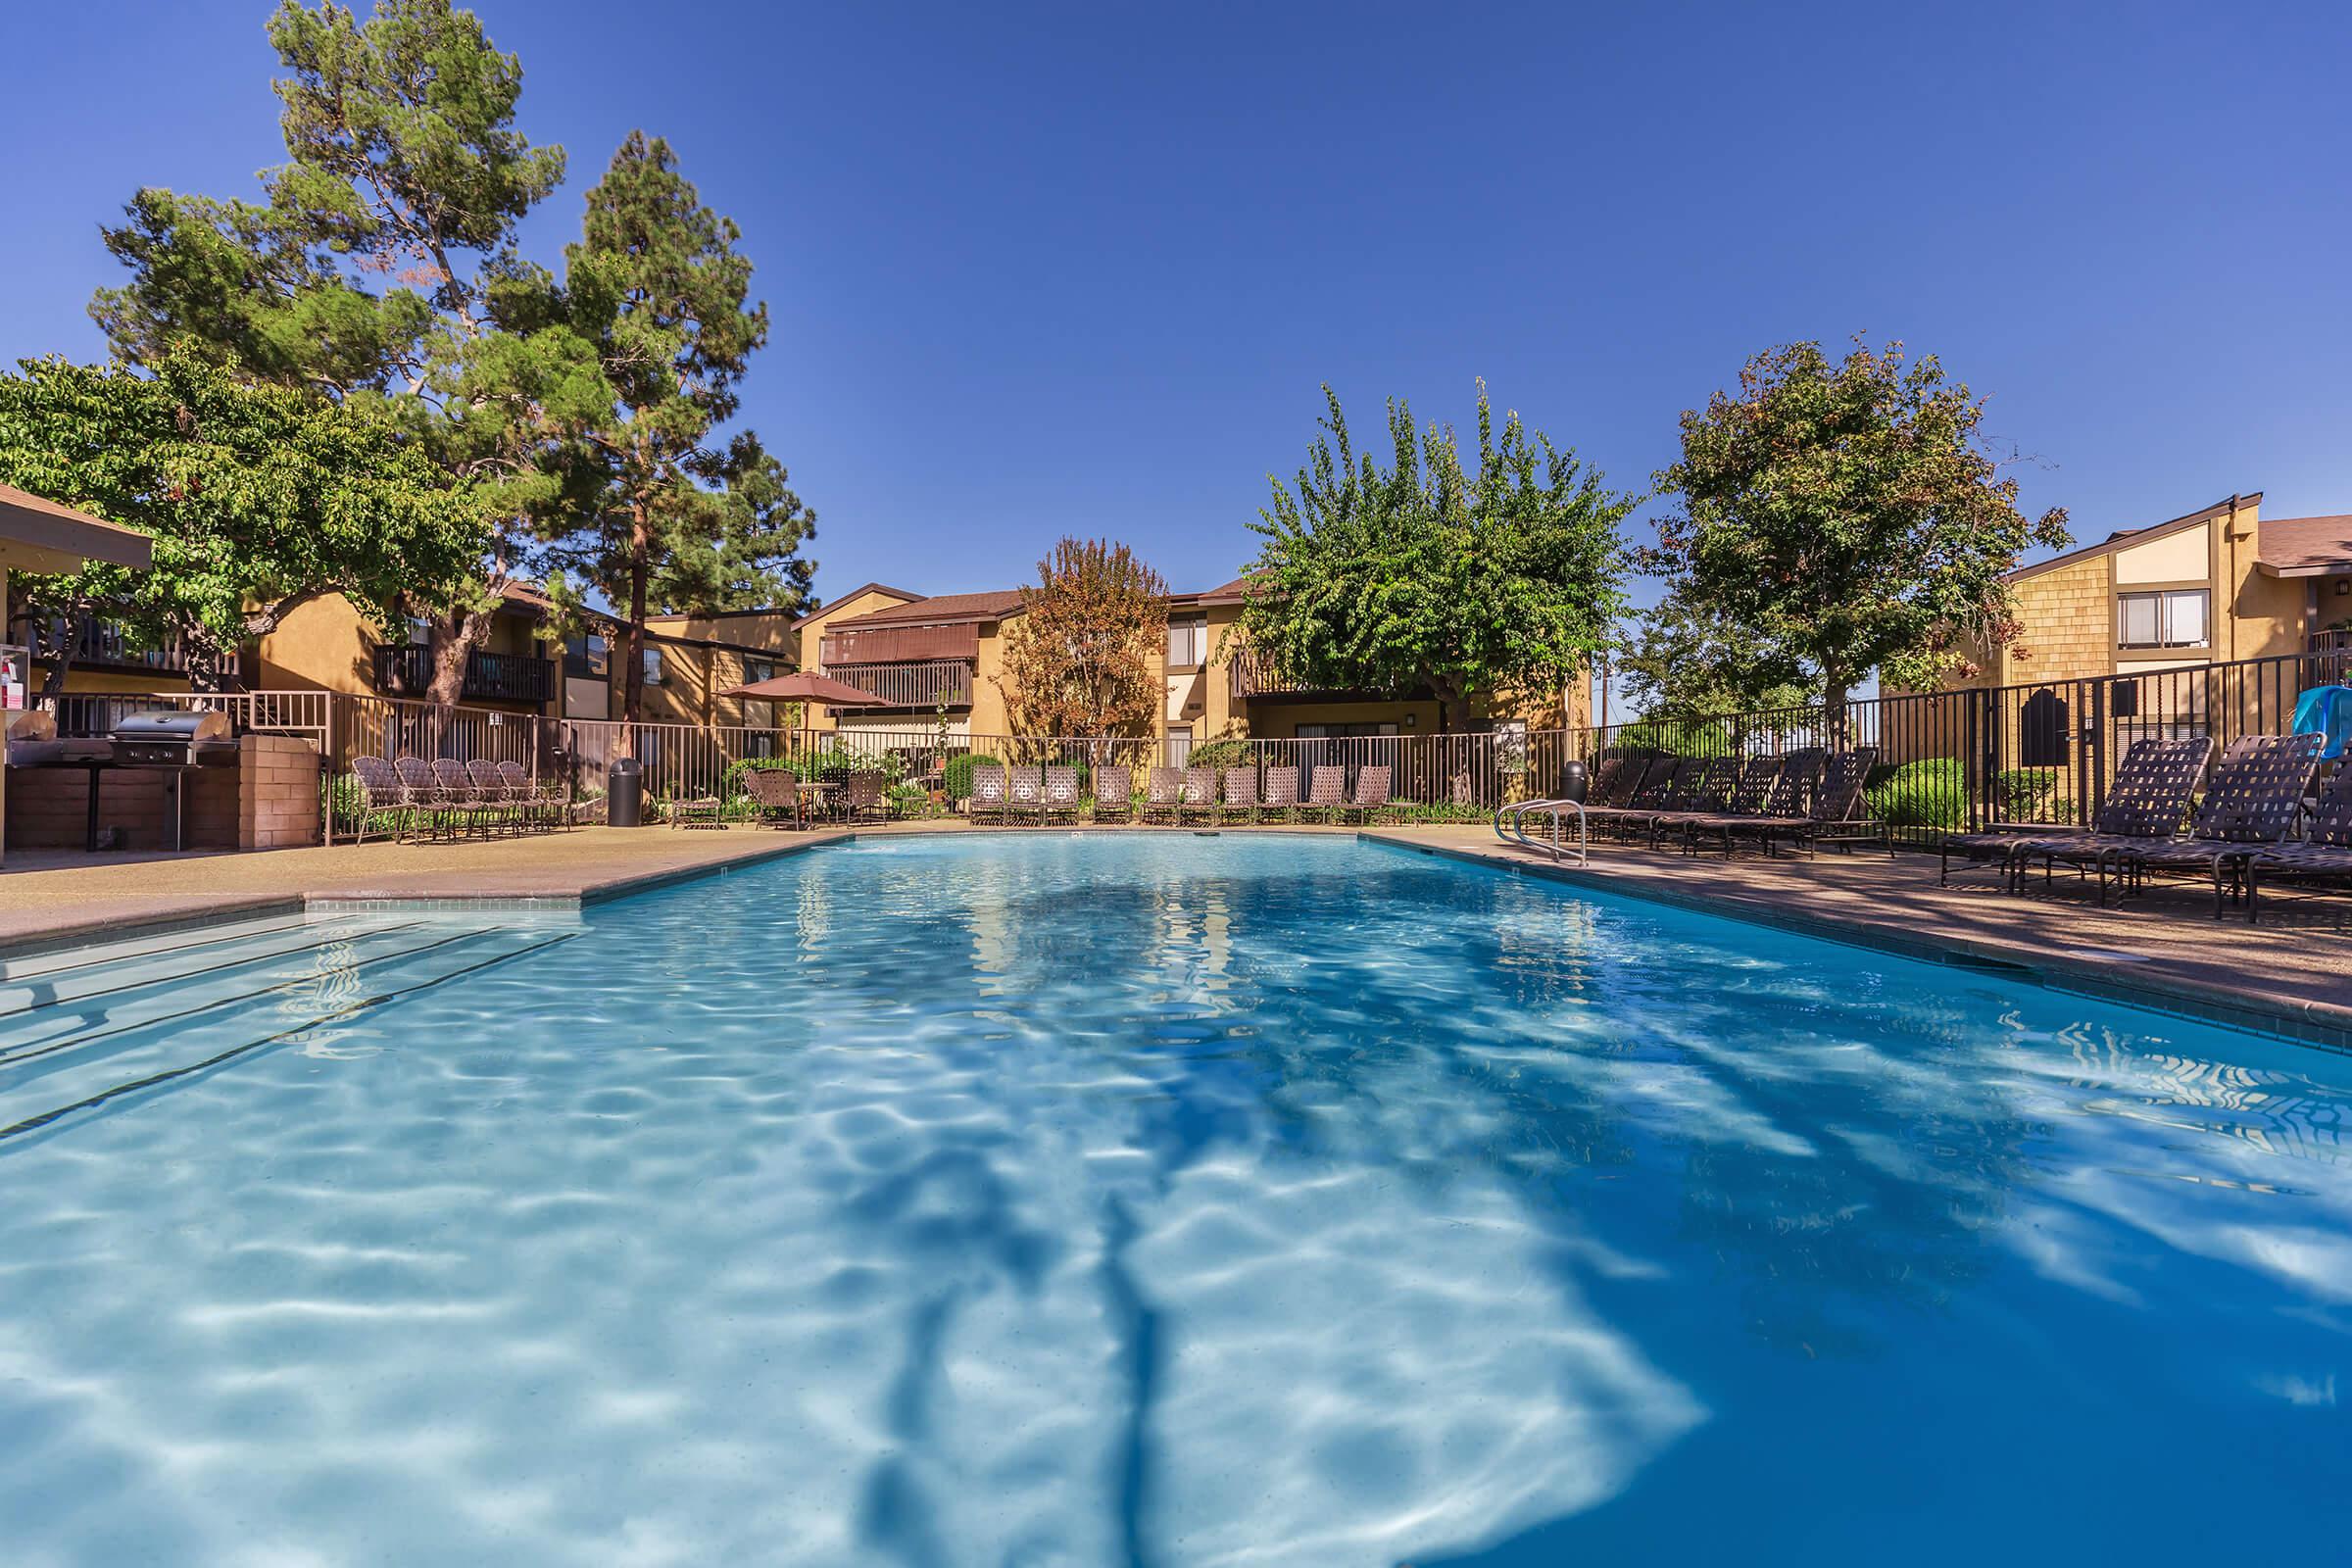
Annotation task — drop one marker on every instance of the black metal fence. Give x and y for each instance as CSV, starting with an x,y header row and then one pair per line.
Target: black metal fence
x,y
2037,752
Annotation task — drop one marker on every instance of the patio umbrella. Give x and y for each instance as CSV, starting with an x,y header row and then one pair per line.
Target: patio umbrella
x,y
802,686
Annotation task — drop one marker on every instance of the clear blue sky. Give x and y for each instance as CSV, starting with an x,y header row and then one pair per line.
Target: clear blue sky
x,y
1081,268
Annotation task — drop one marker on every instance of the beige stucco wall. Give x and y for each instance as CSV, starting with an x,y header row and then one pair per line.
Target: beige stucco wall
x,y
2184,555
324,644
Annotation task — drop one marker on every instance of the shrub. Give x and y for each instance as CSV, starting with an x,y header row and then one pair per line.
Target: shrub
x,y
2030,794
346,808
1219,755
1410,812
959,778
1929,793
730,782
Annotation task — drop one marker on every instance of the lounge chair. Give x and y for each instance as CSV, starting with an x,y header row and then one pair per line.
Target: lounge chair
x,y
1241,795
1164,789
1601,783
2324,851
2001,846
1702,792
380,795
1327,792
991,800
2251,802
1371,796
1834,804
1115,795
1197,801
1282,794
1659,787
1759,787
776,797
2146,803
1025,794
1061,795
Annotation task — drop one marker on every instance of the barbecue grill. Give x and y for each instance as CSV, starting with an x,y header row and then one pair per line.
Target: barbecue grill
x,y
174,737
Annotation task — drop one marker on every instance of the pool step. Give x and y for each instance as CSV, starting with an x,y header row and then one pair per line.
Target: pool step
x,y
65,1058
198,960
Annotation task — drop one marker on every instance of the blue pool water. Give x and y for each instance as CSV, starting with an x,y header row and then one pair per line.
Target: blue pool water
x,y
1148,1200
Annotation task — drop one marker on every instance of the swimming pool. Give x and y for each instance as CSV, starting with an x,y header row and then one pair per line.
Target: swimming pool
x,y
1147,1198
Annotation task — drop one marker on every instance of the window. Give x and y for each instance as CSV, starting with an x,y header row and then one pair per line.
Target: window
x,y
421,632
1188,642
755,671
1180,745
653,667
2164,617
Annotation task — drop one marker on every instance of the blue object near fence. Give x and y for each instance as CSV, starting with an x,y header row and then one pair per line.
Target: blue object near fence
x,y
2327,711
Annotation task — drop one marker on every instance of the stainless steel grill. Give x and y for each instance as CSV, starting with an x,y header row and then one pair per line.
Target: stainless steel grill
x,y
174,737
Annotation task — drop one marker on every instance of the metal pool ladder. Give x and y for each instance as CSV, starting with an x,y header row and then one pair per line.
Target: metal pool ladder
x,y
1510,827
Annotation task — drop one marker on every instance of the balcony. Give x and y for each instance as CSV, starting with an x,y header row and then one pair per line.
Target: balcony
x,y
402,669
101,645
924,685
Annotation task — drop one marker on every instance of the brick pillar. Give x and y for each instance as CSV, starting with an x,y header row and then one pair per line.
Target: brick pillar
x,y
277,792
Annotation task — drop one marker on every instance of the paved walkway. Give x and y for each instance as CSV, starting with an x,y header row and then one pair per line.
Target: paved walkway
x,y
2294,974
2291,974
50,895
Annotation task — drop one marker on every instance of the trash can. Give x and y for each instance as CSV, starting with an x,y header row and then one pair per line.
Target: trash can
x,y
1574,782
624,794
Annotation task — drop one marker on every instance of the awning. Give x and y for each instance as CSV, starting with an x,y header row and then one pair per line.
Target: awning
x,y
37,535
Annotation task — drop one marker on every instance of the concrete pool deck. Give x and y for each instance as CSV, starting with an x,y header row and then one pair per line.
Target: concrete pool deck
x,y
2291,976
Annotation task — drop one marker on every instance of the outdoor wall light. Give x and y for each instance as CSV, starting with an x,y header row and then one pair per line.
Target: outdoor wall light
x,y
2343,585
1412,720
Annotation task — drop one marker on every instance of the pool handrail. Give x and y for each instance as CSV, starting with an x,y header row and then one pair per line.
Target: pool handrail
x,y
1556,844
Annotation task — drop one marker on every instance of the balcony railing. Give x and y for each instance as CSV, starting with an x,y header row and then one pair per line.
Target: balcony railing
x,y
2330,642
1254,675
105,645
922,685
402,669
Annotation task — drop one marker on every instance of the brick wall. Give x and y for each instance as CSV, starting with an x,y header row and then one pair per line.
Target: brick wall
x,y
278,795
268,801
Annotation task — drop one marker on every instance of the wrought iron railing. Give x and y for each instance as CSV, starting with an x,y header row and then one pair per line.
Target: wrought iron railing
x,y
103,645
404,670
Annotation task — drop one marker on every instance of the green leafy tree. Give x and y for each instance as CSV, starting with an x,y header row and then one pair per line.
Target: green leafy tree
x,y
379,269
1843,518
260,499
1423,574
669,511
1083,658
1684,665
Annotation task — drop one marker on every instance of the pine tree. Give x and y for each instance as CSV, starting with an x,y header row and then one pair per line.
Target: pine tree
x,y
380,271
668,510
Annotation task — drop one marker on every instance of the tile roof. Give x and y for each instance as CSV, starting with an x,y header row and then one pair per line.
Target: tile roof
x,y
836,599
2304,544
939,611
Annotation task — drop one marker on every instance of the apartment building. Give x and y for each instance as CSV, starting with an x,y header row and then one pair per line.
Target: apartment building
x,y
2214,585
925,654
324,645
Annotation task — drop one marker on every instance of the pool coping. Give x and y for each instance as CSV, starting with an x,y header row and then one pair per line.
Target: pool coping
x,y
2300,1020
